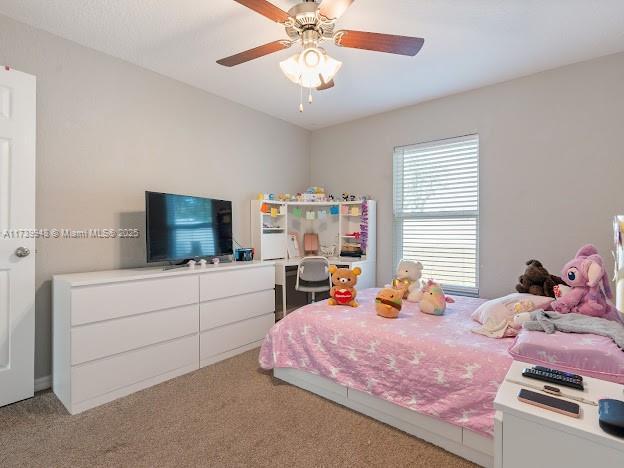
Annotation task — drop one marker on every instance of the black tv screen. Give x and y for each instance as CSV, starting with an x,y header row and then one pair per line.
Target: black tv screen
x,y
180,227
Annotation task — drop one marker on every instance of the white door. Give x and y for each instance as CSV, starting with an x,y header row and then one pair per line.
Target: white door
x,y
17,245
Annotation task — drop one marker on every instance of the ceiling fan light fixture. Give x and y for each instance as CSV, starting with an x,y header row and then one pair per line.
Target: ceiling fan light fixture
x,y
330,67
308,24
311,58
298,69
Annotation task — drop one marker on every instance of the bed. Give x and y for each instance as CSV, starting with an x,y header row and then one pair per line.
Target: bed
x,y
428,375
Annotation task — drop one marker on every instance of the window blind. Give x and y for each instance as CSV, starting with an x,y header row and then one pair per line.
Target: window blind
x,y
436,210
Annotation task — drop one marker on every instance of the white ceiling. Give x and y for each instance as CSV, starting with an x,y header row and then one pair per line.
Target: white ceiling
x,y
468,44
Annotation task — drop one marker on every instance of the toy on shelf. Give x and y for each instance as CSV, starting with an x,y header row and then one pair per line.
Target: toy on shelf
x,y
431,299
388,303
316,190
343,291
314,194
407,278
589,286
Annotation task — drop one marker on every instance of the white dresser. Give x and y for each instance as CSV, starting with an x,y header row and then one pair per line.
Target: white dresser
x,y
117,332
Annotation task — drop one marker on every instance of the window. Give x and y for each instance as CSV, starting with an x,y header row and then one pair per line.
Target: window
x,y
436,210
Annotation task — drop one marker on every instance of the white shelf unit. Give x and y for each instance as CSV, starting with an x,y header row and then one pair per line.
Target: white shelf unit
x,y
269,233
270,243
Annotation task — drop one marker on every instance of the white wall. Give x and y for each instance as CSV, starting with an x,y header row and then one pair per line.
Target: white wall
x,y
551,164
108,130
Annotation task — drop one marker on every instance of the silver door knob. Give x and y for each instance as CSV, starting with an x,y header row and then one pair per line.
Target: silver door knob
x,y
22,252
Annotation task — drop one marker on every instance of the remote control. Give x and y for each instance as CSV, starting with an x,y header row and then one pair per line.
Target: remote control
x,y
555,371
552,378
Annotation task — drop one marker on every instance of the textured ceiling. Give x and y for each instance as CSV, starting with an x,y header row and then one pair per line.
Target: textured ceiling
x,y
468,44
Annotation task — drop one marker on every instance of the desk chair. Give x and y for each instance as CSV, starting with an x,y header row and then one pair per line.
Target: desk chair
x,y
313,275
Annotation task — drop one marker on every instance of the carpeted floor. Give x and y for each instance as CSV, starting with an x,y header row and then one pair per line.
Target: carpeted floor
x,y
228,414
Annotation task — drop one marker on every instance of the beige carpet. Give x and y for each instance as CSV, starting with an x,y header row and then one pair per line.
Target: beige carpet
x,y
228,414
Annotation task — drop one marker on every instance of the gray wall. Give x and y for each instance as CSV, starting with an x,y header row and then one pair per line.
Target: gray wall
x,y
551,164
108,130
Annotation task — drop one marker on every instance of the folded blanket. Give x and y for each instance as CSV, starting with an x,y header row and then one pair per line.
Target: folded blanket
x,y
493,329
550,322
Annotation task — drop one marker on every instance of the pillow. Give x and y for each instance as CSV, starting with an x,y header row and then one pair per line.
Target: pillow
x,y
584,354
502,308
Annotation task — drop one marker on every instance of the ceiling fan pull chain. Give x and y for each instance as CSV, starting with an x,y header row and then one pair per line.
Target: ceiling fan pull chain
x,y
300,96
310,96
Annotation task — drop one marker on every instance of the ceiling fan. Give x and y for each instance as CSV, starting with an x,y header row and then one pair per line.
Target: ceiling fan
x,y
310,23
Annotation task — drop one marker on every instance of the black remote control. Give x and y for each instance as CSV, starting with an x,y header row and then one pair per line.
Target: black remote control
x,y
552,378
555,371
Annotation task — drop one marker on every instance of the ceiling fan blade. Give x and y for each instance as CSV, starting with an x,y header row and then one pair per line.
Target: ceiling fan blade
x,y
402,45
334,9
324,86
265,9
254,53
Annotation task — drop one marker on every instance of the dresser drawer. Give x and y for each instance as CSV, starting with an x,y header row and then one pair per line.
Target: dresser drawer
x,y
98,340
222,339
234,309
103,302
235,282
97,378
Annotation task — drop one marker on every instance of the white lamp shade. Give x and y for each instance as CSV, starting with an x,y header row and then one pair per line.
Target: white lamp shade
x,y
329,68
290,68
310,70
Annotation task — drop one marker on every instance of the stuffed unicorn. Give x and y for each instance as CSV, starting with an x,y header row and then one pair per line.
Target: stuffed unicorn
x,y
589,286
431,299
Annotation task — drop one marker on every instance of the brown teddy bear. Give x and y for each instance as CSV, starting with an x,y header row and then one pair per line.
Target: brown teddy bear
x,y
388,302
344,281
536,280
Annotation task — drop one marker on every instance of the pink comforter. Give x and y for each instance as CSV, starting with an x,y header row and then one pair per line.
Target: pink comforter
x,y
433,365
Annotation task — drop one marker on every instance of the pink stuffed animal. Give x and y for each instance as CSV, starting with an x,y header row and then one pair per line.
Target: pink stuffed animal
x,y
587,278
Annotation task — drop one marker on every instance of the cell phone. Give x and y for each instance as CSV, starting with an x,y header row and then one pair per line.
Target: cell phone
x,y
550,403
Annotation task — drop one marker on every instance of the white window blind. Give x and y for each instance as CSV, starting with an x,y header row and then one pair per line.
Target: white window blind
x,y
436,210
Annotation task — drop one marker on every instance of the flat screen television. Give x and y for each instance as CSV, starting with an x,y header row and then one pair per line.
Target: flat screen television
x,y
181,227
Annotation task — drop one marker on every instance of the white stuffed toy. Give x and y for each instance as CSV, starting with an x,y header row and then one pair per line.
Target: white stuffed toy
x,y
408,278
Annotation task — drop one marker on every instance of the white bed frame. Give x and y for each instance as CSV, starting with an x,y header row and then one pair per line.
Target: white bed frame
x,y
460,441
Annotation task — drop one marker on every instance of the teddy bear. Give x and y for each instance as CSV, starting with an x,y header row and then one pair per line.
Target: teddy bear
x,y
537,281
344,280
407,277
431,299
588,285
388,302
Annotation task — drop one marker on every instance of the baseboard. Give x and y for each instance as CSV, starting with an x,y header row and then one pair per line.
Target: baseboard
x,y
43,383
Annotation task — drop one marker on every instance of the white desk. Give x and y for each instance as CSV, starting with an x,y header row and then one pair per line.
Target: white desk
x,y
367,279
530,436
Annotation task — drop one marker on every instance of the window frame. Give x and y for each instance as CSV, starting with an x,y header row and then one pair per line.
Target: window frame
x,y
399,216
